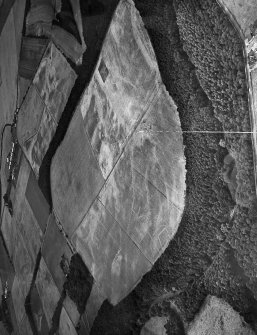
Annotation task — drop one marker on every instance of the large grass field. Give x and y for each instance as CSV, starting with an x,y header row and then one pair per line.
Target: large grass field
x,y
200,56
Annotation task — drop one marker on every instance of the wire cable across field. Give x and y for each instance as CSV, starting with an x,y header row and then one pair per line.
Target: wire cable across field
x,y
196,131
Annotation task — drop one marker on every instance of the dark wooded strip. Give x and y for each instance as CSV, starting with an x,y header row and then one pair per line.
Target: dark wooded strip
x,y
5,7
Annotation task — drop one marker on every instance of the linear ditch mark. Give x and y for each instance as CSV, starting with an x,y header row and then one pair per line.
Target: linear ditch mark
x,y
27,304
5,248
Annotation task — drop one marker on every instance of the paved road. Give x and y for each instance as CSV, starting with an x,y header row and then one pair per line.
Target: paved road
x,y
250,75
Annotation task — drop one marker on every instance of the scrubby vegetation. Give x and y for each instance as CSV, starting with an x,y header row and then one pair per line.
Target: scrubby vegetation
x,y
216,52
77,286
200,57
79,283
5,316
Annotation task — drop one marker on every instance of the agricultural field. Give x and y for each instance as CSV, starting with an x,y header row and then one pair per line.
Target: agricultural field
x,y
135,203
203,68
